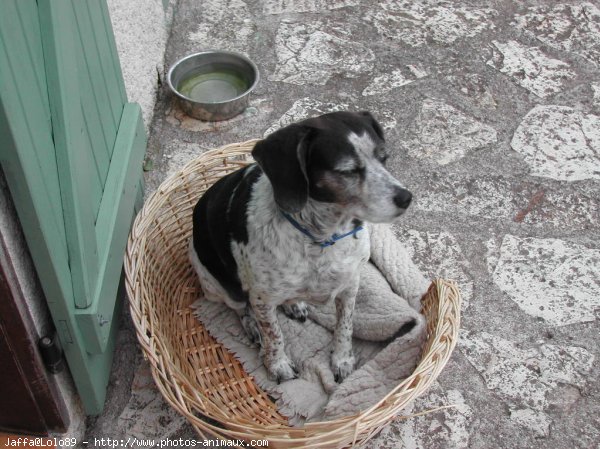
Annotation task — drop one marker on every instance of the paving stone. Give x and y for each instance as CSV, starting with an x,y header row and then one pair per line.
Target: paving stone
x,y
300,6
308,55
179,154
521,201
442,134
564,397
596,90
397,78
530,67
551,279
475,86
308,107
570,27
560,142
572,210
417,22
482,197
304,108
524,376
535,421
147,415
218,21
448,428
439,255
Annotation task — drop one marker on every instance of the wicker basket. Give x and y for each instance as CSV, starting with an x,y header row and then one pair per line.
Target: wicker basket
x,y
195,373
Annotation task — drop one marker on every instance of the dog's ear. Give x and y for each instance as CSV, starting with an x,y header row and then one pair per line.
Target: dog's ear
x,y
374,123
283,157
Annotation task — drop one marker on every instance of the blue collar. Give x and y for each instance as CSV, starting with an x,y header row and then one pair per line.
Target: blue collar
x,y
322,243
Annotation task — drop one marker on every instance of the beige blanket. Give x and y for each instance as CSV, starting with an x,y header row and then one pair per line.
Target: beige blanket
x,y
388,334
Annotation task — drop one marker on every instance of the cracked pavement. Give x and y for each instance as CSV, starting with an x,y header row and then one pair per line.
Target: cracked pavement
x,y
492,115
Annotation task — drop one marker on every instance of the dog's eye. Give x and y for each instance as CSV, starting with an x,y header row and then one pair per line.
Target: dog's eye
x,y
381,155
350,171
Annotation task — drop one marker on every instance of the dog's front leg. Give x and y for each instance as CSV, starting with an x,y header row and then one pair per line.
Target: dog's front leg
x,y
342,358
279,366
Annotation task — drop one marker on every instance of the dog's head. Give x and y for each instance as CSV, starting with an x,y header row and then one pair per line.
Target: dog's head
x,y
335,158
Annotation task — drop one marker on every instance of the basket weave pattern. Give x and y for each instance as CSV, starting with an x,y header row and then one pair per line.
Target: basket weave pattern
x,y
196,374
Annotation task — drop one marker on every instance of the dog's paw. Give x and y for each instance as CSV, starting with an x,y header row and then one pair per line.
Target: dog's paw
x,y
282,369
296,311
251,328
342,367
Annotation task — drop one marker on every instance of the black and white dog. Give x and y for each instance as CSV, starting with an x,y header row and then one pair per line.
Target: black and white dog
x,y
290,229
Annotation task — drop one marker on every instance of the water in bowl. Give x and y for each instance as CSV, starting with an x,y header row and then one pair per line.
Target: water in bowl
x,y
213,87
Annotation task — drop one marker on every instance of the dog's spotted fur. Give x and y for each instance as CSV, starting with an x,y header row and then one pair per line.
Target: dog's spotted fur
x,y
328,174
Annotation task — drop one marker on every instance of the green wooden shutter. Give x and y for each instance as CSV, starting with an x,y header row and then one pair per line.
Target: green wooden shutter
x,y
72,150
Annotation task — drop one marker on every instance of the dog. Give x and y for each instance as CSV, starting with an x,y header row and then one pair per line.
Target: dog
x,y
290,229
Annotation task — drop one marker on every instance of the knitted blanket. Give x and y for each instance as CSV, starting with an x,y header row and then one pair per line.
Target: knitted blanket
x,y
388,335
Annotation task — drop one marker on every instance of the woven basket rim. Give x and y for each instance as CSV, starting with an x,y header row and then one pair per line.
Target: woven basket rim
x,y
440,344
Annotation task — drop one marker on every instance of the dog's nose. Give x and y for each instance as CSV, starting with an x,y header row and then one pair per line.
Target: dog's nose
x,y
402,198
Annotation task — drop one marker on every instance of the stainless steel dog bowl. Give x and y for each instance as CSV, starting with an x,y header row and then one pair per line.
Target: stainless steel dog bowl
x,y
213,85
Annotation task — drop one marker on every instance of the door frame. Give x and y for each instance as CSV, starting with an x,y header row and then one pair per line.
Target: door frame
x,y
33,402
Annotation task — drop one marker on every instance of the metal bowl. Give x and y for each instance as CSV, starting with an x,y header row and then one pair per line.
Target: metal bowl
x,y
213,85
